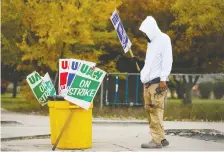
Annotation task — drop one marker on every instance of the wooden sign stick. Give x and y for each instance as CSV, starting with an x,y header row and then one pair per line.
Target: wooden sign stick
x,y
132,55
63,129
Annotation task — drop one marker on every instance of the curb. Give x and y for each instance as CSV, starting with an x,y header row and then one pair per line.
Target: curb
x,y
201,134
118,122
45,136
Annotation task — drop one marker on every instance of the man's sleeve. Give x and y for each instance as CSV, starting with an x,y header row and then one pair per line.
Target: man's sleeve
x,y
167,60
144,74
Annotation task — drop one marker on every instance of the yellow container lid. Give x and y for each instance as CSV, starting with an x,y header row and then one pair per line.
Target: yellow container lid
x,y
51,104
67,105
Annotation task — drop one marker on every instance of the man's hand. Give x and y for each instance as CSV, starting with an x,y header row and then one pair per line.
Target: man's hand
x,y
163,85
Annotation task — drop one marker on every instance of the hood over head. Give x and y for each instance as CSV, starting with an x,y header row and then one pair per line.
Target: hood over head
x,y
150,27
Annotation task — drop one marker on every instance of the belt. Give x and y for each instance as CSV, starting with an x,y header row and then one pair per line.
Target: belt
x,y
156,80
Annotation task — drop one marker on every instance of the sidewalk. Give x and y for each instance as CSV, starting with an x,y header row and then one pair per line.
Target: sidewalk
x,y
40,124
123,142
112,135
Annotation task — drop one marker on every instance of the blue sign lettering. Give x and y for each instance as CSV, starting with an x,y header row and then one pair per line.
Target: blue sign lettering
x,y
115,19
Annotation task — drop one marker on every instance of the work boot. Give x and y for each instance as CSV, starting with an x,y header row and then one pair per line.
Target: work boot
x,y
164,142
151,144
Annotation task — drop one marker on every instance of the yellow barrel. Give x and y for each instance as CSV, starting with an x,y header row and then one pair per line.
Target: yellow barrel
x,y
52,116
78,133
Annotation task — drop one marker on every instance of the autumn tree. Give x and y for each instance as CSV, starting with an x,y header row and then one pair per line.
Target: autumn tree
x,y
65,29
11,34
198,31
48,30
197,35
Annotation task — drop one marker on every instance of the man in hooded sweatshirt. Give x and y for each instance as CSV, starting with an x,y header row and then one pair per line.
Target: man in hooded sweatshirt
x,y
154,76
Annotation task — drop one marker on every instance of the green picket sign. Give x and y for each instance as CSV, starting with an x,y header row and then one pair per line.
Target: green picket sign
x,y
85,85
38,87
83,89
50,86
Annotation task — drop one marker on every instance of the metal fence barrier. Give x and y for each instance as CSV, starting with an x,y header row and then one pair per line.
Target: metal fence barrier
x,y
127,89
121,89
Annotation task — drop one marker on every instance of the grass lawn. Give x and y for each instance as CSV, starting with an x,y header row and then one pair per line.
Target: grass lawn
x,y
200,101
20,104
202,110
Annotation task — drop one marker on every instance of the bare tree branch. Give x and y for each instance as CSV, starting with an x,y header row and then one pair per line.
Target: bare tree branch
x,y
190,79
196,79
184,78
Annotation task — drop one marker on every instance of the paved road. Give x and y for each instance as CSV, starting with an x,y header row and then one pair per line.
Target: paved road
x,y
110,135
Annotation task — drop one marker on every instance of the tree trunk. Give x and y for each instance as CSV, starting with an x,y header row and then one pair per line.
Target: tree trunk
x,y
179,88
3,90
188,88
172,94
56,78
14,92
56,82
188,96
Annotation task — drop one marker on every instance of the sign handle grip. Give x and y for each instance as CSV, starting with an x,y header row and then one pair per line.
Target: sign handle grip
x,y
132,55
63,129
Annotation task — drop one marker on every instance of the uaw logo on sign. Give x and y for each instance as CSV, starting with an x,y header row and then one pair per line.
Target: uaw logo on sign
x,y
122,35
39,87
73,67
63,74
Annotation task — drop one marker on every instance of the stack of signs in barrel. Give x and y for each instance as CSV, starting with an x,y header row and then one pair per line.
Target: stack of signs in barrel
x,y
41,87
67,69
79,82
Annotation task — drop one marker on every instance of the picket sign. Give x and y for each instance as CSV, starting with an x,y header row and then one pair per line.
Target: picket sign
x,y
63,74
122,35
85,85
49,84
73,66
38,87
